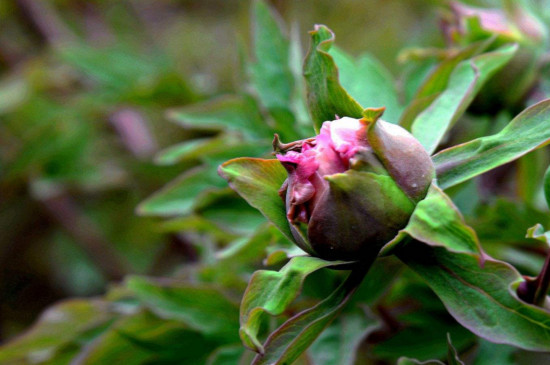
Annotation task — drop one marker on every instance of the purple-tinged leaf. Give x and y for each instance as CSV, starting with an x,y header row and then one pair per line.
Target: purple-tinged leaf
x,y
482,298
294,336
271,292
258,181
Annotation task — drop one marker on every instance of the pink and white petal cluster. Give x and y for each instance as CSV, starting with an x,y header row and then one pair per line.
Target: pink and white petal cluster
x,y
329,153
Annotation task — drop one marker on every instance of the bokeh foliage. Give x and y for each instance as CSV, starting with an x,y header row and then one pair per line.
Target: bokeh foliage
x,y
85,93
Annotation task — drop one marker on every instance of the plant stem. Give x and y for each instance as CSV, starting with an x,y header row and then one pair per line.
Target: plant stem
x,y
543,283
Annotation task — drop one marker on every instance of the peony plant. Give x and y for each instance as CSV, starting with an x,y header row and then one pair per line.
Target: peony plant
x,y
364,188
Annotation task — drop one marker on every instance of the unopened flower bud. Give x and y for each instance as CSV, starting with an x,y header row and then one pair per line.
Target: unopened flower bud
x,y
353,187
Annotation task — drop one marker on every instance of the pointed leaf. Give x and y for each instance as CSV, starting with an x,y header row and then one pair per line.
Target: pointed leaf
x,y
58,326
437,222
236,113
271,73
537,232
437,82
481,298
452,355
178,197
469,76
203,308
271,292
290,340
143,338
258,181
491,353
339,343
198,224
368,82
226,355
409,361
325,95
526,132
186,150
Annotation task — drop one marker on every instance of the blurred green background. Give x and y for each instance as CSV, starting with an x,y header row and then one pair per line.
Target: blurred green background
x,y
84,90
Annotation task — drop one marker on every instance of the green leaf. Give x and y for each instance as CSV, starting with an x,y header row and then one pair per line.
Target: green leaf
x,y
466,80
294,336
143,338
481,298
409,361
298,100
178,197
203,308
437,82
258,181
211,150
271,73
247,250
125,74
368,82
233,264
452,355
71,321
257,148
277,255
195,223
326,97
382,275
226,355
271,292
338,344
547,186
537,232
526,132
192,149
115,68
492,353
235,113
417,325
436,221
228,210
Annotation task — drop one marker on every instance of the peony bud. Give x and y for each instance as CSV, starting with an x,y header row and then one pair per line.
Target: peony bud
x,y
514,24
353,187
